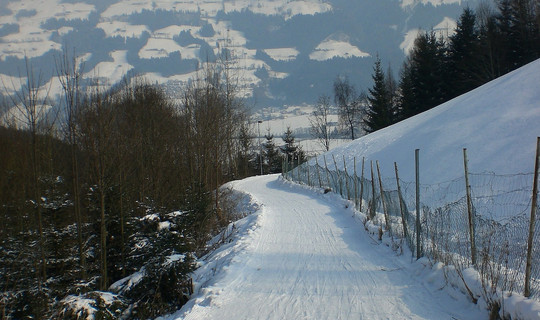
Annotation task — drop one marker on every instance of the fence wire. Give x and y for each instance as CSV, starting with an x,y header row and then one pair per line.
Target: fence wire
x,y
501,206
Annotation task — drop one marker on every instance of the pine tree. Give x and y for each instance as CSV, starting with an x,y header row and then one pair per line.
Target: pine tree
x,y
272,158
379,112
293,153
463,53
422,83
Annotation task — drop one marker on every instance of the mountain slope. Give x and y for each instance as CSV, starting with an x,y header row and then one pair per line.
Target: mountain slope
x,y
167,40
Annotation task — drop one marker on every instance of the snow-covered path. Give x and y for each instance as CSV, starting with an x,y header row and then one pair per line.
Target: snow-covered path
x,y
306,257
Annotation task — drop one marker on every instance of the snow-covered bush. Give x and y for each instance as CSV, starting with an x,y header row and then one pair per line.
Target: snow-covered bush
x,y
95,305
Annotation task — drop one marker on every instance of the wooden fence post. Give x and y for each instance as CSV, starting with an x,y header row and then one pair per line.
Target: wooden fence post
x,y
534,202
418,225
346,179
339,176
327,173
308,177
469,208
372,208
401,209
318,172
385,211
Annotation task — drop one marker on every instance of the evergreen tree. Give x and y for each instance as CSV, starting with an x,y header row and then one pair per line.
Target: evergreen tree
x,y
380,113
422,86
272,158
293,153
463,53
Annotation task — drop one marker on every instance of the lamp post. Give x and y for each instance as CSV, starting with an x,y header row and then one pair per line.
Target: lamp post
x,y
260,146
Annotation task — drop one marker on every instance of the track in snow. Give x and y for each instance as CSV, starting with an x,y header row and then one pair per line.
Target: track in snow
x,y
306,257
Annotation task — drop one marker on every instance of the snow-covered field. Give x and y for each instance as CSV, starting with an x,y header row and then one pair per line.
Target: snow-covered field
x,y
305,255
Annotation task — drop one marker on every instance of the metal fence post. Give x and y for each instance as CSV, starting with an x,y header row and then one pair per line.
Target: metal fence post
x,y
469,208
362,185
534,202
418,226
355,185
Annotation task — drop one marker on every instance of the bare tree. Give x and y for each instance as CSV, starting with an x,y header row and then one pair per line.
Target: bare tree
x,y
69,73
319,120
30,111
349,105
95,121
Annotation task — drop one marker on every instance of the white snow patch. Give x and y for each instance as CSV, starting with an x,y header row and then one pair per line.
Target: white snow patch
x,y
408,41
114,71
286,9
162,48
331,48
446,28
79,303
122,29
435,3
31,40
282,54
164,225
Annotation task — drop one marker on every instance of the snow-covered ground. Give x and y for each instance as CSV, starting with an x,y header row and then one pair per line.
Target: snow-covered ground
x,y
305,255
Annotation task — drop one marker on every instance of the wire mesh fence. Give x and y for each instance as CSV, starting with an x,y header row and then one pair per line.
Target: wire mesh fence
x,y
500,207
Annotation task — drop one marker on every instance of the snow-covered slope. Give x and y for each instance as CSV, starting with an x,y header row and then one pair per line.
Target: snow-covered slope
x,y
498,123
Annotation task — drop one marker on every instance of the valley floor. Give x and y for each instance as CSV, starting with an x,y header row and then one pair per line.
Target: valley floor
x,y
304,256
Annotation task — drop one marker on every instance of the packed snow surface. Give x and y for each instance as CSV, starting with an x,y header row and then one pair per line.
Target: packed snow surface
x,y
302,255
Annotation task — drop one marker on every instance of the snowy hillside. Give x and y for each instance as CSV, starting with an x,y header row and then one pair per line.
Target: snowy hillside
x,y
285,52
305,254
498,123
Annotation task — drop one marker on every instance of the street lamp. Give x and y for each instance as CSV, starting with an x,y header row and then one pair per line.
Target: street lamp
x,y
260,146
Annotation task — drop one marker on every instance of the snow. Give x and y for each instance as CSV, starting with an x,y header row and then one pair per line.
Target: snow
x,y
331,48
126,283
305,255
282,54
444,29
162,48
435,3
111,71
497,123
81,303
286,9
122,29
32,40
